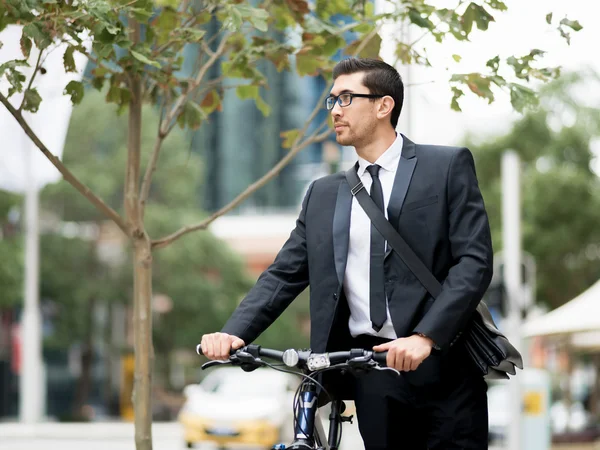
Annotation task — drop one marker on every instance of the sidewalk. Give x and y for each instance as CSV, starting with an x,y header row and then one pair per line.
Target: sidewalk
x,y
90,430
586,446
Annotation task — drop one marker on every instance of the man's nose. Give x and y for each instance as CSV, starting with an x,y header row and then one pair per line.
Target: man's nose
x,y
336,111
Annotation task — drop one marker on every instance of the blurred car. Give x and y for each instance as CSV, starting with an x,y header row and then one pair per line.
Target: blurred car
x,y
573,419
231,406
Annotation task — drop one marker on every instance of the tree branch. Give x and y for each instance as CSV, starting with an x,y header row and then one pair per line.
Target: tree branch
x,y
201,73
35,71
165,125
69,177
315,137
150,169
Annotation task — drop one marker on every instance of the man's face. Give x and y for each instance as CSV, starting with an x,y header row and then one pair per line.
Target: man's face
x,y
354,124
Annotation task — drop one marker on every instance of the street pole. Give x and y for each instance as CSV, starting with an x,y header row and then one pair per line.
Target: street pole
x,y
32,374
511,236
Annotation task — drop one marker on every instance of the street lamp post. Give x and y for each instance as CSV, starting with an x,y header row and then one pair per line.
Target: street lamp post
x,y
511,236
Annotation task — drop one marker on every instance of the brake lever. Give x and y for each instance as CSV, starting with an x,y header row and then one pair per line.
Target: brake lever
x,y
209,364
378,367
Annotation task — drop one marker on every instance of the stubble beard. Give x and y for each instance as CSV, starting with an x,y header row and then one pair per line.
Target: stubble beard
x,y
345,140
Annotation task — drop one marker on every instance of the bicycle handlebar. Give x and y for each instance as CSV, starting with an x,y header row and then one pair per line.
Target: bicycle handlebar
x,y
250,355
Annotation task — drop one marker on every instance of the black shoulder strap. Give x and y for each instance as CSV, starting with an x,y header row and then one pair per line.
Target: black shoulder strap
x,y
414,263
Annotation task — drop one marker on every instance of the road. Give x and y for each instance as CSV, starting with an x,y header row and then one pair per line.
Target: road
x,y
116,436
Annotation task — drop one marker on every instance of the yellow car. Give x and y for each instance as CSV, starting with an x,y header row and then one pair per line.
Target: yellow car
x,y
233,407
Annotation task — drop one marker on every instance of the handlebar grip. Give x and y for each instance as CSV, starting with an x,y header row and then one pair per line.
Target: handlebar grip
x,y
380,358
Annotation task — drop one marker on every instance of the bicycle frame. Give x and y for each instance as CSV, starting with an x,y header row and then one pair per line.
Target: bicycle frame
x,y
309,432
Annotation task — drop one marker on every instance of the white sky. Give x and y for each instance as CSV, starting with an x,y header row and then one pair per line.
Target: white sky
x,y
427,116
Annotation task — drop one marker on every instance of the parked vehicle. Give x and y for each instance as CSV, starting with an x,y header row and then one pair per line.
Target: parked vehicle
x,y
234,407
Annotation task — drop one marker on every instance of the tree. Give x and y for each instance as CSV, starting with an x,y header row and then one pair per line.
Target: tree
x,y
137,51
560,194
11,255
206,282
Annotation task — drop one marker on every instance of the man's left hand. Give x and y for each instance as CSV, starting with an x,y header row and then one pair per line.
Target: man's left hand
x,y
406,354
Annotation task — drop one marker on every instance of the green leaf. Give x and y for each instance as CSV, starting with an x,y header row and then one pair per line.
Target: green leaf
x,y
289,137
234,19
573,24
332,45
68,60
193,34
370,50
494,64
257,17
481,86
211,102
263,107
191,116
417,18
549,18
456,58
456,94
164,24
98,83
497,4
12,65
41,39
141,14
31,100
522,97
114,93
468,19
75,90
247,91
307,64
259,24
26,45
144,59
478,14
104,51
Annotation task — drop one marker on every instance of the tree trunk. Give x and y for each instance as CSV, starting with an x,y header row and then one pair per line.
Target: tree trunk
x,y
142,265
142,328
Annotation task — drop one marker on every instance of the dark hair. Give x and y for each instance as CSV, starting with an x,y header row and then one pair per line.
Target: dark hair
x,y
380,78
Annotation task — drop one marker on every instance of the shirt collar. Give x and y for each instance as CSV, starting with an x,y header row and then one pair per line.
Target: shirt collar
x,y
388,160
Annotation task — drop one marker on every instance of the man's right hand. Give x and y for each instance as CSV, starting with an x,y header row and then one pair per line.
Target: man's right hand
x,y
219,345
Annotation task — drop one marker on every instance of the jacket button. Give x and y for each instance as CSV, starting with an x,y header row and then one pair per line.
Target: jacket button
x,y
335,297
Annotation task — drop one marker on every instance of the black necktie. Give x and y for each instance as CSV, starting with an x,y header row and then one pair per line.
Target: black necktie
x,y
377,300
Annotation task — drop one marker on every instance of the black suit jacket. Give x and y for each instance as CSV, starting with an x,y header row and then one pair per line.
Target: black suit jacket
x,y
436,206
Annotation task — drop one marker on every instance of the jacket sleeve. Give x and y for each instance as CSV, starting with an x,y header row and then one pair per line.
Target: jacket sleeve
x,y
471,247
277,286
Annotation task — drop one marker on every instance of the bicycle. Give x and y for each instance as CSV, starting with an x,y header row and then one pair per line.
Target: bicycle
x,y
309,433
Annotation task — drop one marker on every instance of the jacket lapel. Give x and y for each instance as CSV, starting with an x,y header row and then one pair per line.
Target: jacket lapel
x,y
404,174
341,229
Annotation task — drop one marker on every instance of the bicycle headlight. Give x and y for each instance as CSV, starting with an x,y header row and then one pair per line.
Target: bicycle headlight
x,y
318,361
290,357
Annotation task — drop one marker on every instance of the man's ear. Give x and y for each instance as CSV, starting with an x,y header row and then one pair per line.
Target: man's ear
x,y
385,107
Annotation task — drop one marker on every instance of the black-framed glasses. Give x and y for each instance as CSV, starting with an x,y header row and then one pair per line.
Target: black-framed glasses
x,y
345,99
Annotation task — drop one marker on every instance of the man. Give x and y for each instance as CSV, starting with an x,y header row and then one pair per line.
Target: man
x,y
363,295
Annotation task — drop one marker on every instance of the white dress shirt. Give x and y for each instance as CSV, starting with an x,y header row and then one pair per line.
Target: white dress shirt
x,y
356,278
